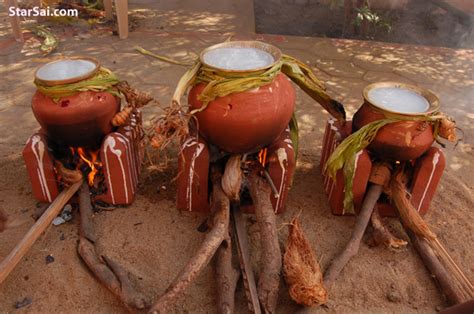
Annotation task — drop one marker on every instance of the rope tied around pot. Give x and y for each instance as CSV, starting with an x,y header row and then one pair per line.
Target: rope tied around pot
x,y
220,83
345,155
103,81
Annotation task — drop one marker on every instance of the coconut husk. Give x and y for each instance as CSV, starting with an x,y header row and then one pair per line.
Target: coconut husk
x,y
301,269
413,221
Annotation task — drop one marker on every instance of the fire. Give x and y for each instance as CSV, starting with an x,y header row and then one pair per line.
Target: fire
x,y
262,156
92,162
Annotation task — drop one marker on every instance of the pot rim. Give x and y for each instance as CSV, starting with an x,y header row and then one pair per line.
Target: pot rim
x,y
432,99
272,50
70,80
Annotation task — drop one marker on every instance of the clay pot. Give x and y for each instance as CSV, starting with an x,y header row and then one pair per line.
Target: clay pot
x,y
404,140
246,121
79,120
82,119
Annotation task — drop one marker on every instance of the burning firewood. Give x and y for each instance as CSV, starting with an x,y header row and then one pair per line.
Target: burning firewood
x,y
248,277
69,176
269,280
111,274
107,271
410,216
448,286
418,228
232,179
379,176
301,269
227,275
212,241
107,275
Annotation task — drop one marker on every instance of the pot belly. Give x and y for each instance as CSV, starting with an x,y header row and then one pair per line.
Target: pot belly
x,y
246,121
79,120
402,141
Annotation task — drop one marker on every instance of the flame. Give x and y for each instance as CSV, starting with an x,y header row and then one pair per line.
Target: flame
x,y
262,156
92,162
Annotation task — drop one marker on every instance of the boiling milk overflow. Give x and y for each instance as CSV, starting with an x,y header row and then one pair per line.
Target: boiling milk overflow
x,y
65,69
238,58
398,99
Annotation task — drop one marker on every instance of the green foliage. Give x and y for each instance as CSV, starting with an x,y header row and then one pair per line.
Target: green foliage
x,y
91,4
364,13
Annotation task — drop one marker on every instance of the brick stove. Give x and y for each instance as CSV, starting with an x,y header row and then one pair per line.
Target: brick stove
x,y
427,172
193,172
120,155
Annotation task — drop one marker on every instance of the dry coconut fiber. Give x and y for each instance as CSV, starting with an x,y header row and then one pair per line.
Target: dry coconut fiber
x,y
301,269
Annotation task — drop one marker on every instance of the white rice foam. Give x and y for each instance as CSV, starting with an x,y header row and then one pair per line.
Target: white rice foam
x,y
398,99
238,58
65,69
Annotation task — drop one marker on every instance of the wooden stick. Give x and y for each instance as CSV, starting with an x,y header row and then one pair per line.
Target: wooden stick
x,y
413,221
232,178
227,276
447,285
242,241
444,255
382,234
466,307
9,263
15,21
121,10
271,260
108,9
86,211
208,248
373,193
109,273
271,183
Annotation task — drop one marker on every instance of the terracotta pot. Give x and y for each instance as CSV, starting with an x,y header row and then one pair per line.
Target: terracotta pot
x,y
404,140
246,121
79,120
82,119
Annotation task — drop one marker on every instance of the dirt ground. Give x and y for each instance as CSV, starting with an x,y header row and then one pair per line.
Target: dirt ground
x,y
154,241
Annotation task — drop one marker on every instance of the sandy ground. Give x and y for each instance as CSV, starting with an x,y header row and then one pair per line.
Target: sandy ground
x,y
154,241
